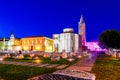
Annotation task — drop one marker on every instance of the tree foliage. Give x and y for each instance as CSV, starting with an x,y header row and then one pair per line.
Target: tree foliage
x,y
110,39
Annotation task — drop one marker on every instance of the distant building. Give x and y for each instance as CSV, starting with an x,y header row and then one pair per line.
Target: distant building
x,y
82,32
4,43
37,43
67,41
11,43
14,43
34,43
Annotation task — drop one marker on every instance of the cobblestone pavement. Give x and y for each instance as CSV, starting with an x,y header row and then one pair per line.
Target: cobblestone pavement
x,y
85,64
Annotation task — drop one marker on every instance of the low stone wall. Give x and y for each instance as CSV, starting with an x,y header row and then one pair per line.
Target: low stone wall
x,y
78,74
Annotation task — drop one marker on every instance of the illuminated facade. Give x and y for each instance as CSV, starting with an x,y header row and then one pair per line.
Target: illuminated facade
x,y
11,43
67,41
93,46
4,43
37,43
82,32
14,43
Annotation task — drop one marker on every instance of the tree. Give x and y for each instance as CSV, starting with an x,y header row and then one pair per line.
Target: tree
x,y
110,39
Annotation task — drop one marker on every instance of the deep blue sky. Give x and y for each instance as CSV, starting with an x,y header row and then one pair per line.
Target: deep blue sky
x,y
47,17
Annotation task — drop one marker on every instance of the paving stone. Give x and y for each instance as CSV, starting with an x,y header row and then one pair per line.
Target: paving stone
x,y
85,64
52,66
43,65
61,66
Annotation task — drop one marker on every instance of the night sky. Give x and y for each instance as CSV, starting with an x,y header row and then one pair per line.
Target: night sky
x,y
46,17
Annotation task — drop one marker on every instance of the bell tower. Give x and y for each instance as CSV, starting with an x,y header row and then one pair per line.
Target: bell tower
x,y
82,31
12,39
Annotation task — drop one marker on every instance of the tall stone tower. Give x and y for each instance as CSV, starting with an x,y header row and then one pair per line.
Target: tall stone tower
x,y
82,32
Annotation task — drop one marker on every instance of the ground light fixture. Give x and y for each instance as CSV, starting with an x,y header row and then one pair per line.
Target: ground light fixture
x,y
1,58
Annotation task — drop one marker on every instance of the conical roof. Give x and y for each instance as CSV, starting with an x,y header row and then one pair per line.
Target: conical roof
x,y
81,19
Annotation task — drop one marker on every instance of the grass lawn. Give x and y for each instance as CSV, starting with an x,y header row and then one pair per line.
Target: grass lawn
x,y
25,59
14,72
106,68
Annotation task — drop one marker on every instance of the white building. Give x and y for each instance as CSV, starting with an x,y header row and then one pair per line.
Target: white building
x,y
11,42
14,43
67,41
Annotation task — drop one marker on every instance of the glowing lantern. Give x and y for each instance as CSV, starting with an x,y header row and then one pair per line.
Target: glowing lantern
x,y
37,61
79,56
1,59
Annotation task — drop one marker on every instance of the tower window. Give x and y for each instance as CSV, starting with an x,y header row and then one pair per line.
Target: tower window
x,y
81,33
81,27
